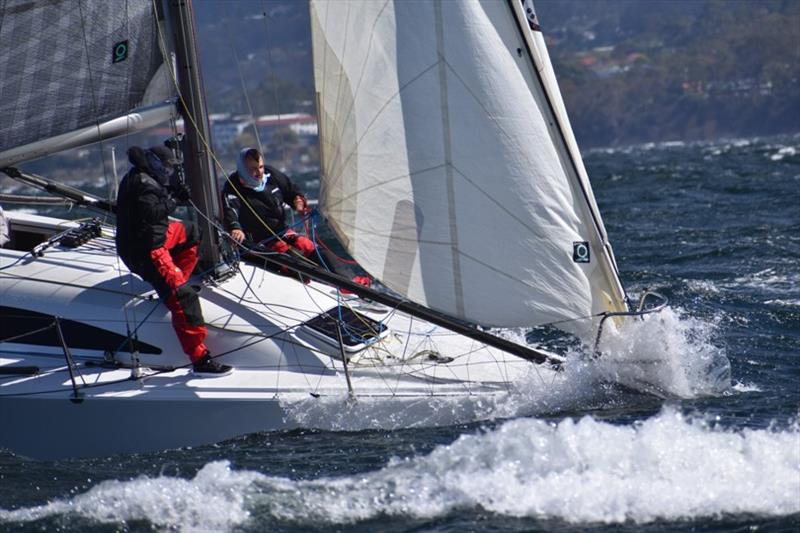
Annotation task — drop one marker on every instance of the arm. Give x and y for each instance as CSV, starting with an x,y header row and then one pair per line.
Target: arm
x,y
290,192
153,201
231,204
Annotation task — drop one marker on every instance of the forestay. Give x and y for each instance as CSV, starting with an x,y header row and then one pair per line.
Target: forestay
x,y
449,168
68,66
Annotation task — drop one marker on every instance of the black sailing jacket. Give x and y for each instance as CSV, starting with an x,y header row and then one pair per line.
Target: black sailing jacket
x,y
240,202
143,208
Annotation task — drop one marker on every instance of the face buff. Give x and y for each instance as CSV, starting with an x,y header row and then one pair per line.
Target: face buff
x,y
254,183
160,171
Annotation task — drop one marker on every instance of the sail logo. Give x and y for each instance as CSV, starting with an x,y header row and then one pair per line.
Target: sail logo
x,y
580,251
119,52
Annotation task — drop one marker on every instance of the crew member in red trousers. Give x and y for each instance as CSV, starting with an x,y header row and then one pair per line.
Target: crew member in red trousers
x,y
161,250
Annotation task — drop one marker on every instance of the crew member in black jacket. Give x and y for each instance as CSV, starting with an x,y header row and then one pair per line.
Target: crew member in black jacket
x,y
254,198
253,207
161,250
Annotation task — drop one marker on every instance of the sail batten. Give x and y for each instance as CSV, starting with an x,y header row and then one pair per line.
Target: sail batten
x,y
442,171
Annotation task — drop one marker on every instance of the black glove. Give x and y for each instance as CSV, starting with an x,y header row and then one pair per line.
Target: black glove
x,y
182,193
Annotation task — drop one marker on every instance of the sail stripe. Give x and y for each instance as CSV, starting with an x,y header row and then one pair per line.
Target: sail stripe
x,y
448,160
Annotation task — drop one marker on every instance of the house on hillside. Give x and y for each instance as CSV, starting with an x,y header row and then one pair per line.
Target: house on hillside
x,y
303,125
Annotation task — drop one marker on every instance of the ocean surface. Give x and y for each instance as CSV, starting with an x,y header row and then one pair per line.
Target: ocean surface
x,y
713,226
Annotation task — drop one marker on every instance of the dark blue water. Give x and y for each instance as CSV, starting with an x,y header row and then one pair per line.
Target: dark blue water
x,y
716,227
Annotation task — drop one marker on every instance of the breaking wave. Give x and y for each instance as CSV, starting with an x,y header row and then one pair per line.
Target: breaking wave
x,y
669,467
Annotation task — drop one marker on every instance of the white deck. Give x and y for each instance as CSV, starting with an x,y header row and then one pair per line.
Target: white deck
x,y
256,323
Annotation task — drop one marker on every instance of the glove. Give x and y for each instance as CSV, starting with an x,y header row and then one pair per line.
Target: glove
x,y
182,193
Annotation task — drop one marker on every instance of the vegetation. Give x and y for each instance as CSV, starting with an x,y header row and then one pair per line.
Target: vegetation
x,y
661,70
630,70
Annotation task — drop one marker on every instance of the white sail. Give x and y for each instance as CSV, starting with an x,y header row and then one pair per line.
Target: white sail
x,y
68,68
450,171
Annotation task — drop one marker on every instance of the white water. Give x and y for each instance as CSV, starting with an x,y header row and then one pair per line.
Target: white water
x,y
773,287
581,471
667,353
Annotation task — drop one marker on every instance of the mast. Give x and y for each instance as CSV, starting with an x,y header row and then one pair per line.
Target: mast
x,y
198,165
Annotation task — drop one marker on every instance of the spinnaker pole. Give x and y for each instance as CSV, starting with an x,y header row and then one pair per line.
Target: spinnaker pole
x,y
315,272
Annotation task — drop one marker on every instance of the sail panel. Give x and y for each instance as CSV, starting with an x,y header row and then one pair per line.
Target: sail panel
x,y
609,295
442,173
68,65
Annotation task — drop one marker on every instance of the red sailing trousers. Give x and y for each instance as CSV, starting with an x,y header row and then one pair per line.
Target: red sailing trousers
x,y
174,263
293,240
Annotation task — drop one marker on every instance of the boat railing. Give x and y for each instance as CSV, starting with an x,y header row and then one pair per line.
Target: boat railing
x,y
660,303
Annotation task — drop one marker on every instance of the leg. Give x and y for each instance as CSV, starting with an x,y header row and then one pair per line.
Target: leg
x,y
181,248
306,247
182,301
188,322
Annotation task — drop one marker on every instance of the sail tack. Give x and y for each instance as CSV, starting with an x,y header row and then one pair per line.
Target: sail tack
x,y
446,170
67,65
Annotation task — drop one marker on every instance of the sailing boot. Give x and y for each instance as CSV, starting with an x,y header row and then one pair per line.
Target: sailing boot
x,y
206,366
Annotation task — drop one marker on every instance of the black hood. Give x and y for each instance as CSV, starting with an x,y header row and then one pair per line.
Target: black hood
x,y
158,162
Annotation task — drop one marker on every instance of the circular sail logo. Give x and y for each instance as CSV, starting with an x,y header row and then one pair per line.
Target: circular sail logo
x,y
580,251
119,52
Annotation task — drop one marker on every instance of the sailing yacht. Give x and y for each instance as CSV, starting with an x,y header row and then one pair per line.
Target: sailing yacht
x,y
449,172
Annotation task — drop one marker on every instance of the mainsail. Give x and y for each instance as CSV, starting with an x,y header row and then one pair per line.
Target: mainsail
x,y
450,171
71,66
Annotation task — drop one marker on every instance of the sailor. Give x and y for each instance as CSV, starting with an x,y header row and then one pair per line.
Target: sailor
x,y
163,251
254,197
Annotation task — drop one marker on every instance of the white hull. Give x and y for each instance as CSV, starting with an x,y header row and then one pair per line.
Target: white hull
x,y
257,323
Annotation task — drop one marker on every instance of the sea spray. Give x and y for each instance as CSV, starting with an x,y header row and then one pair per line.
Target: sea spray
x,y
214,500
667,353
582,471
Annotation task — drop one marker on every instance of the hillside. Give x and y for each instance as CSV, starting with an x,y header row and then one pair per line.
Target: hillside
x,y
630,70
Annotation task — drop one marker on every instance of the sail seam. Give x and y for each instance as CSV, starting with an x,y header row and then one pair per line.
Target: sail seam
x,y
448,159
380,184
386,104
357,88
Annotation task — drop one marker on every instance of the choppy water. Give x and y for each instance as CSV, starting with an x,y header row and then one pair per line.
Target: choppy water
x,y
713,226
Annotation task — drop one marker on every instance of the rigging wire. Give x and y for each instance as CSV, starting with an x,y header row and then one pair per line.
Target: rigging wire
x,y
253,117
270,68
206,143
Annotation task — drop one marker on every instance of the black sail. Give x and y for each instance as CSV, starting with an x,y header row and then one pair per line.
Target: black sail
x,y
67,65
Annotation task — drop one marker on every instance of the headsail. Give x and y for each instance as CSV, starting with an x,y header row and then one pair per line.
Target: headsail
x,y
449,169
69,66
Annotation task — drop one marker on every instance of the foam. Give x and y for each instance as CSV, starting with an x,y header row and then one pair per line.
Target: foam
x,y
214,500
666,353
769,281
669,467
745,387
